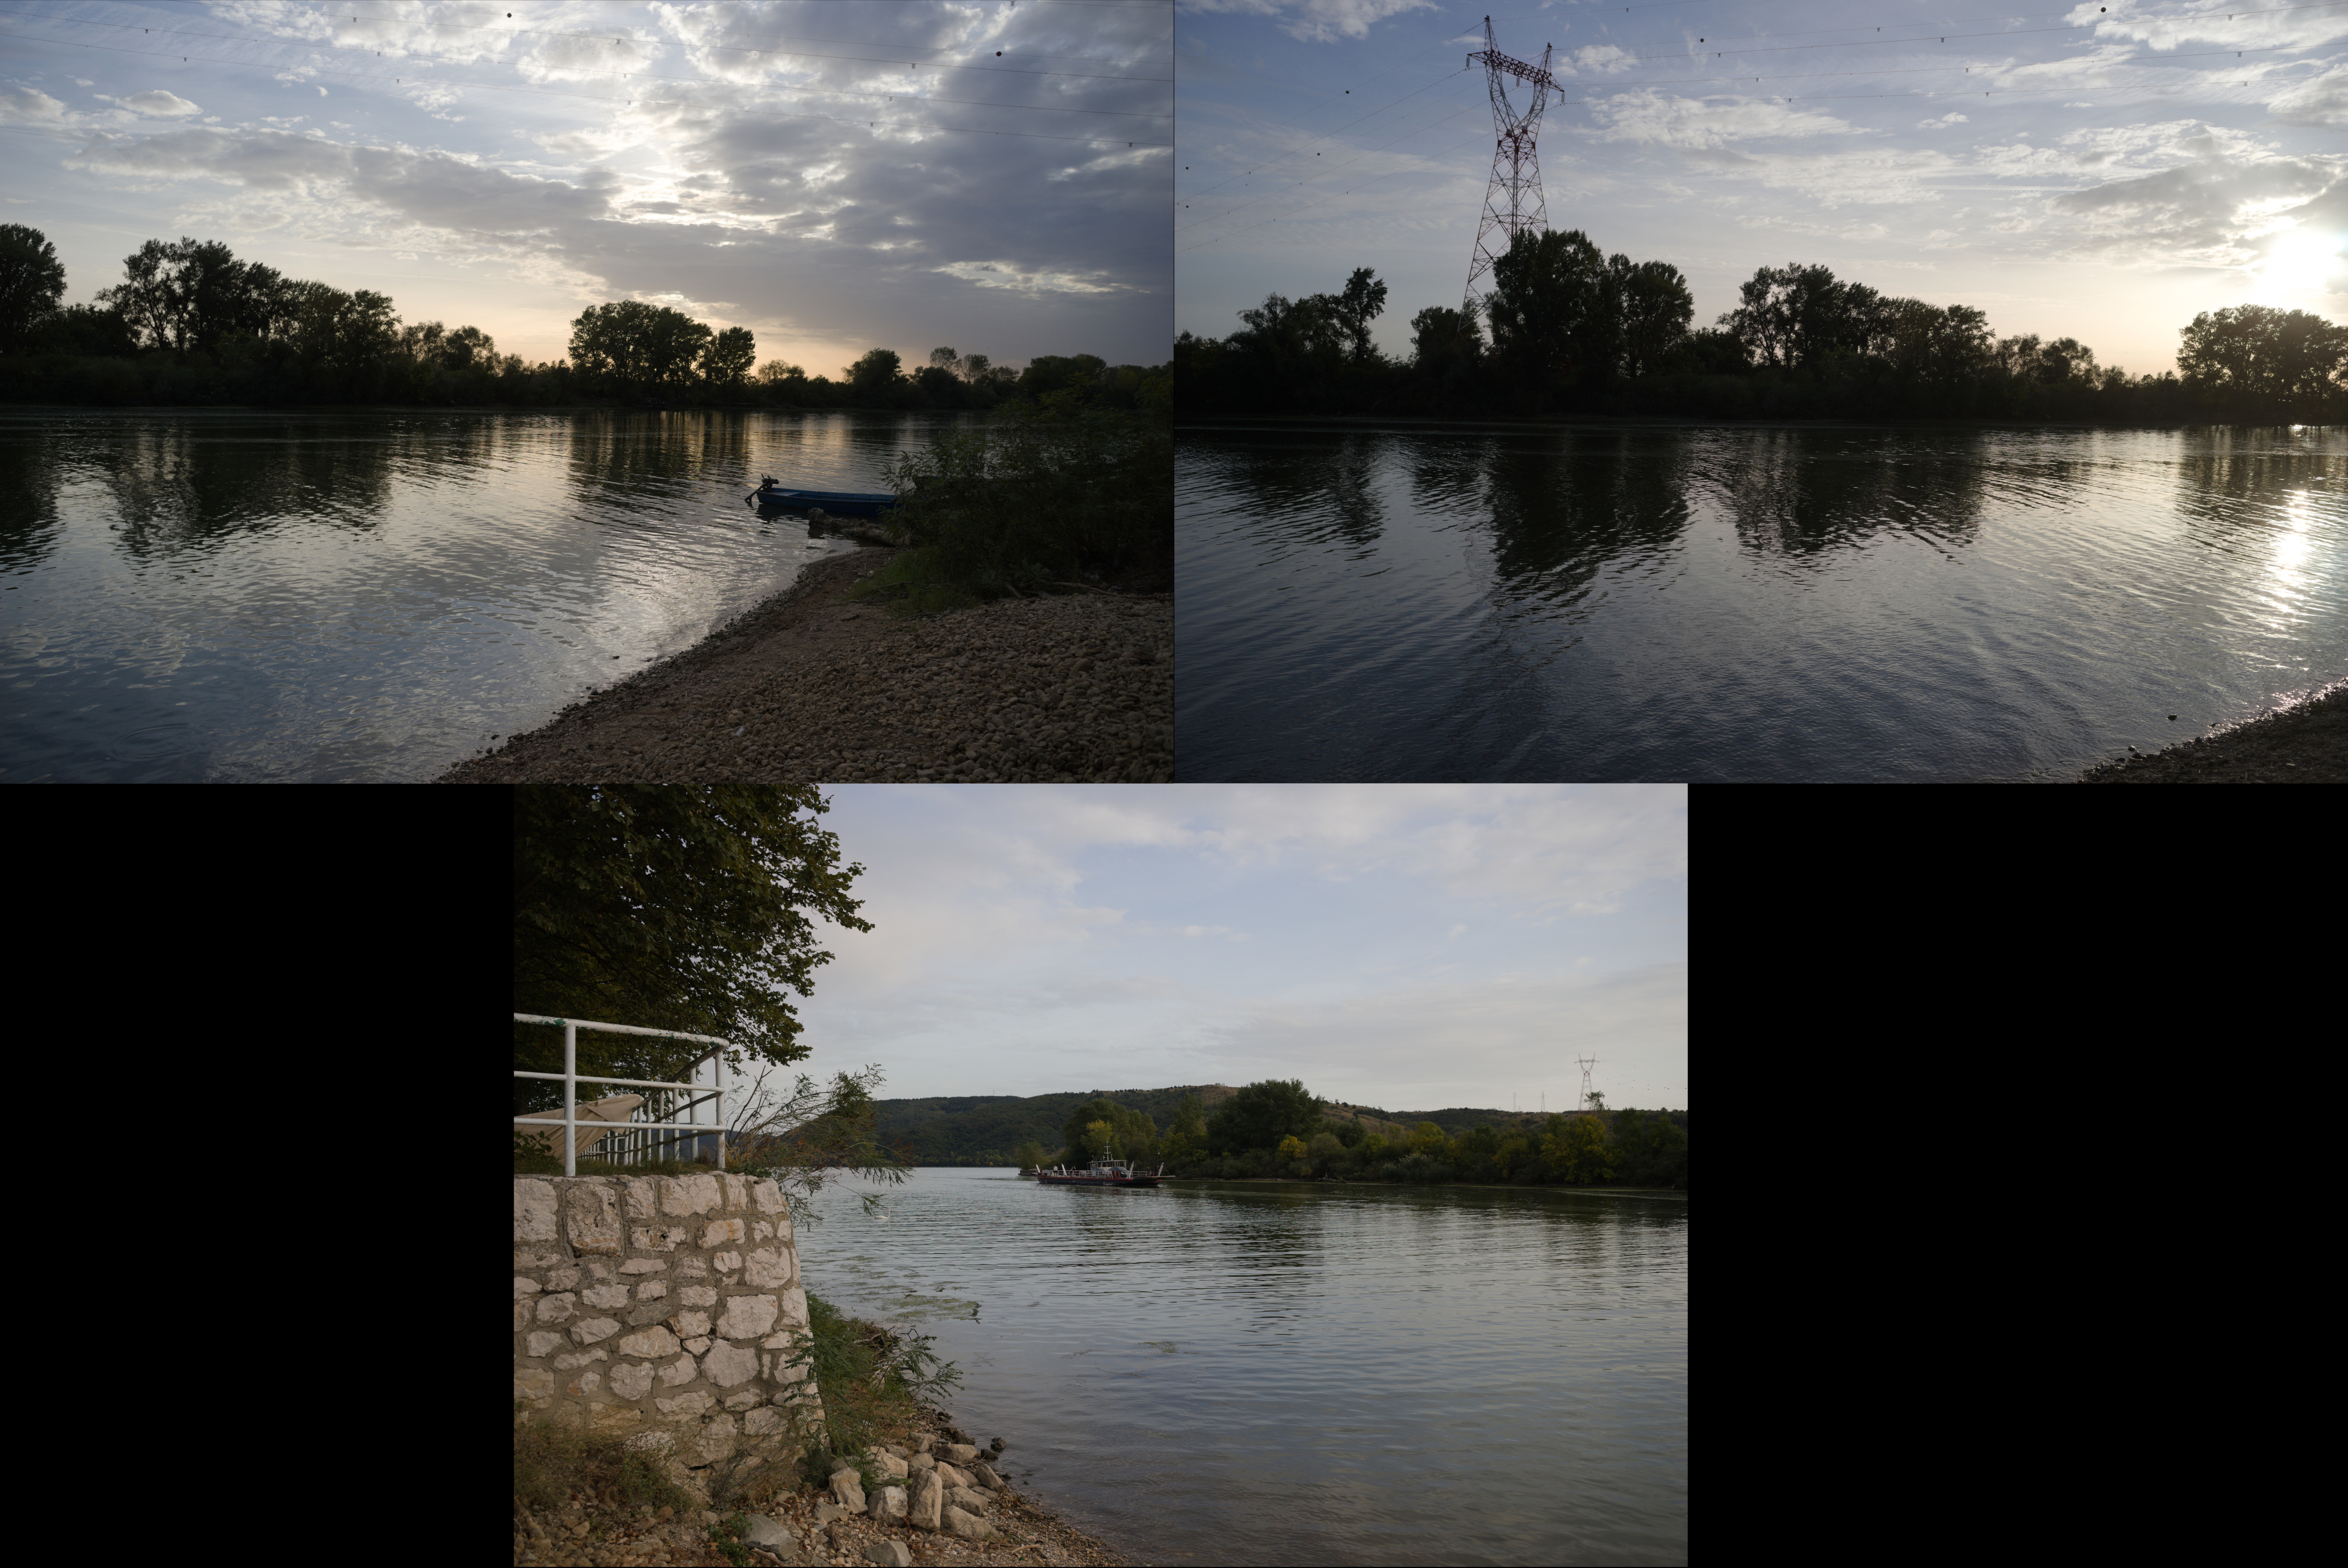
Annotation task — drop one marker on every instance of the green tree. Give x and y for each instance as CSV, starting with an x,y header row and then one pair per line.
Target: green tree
x,y
1324,1151
1101,1124
1030,1155
1653,306
876,377
1578,1148
1262,1114
1363,300
689,908
1552,322
32,282
2262,351
1186,1135
1429,1139
726,362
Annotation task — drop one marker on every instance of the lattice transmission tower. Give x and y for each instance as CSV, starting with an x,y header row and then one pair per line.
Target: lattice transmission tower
x,y
1587,1063
1512,202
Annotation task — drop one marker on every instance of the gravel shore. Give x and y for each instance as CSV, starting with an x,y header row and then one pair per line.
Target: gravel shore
x,y
814,686
2306,743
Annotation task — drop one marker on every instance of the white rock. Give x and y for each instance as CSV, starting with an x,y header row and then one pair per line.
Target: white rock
x,y
890,1465
770,1269
533,1211
656,1238
690,1324
523,1287
763,1421
529,1259
594,1218
539,1344
760,1231
742,1399
889,1502
766,1197
643,1265
698,1296
606,1296
649,1343
655,1441
643,1205
717,1232
968,1526
848,1490
729,1366
691,1404
522,1315
689,1265
562,1279
736,1188
652,1290
727,1262
630,1379
586,1383
535,1383
578,1358
688,1194
889,1554
556,1308
679,1372
593,1329
952,1477
964,1496
794,1306
717,1440
698,1347
748,1316
923,1499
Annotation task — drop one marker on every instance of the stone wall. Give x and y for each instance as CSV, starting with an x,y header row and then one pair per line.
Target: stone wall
x,y
663,1305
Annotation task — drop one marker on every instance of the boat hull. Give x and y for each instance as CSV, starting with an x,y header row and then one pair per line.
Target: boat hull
x,y
1048,1179
839,503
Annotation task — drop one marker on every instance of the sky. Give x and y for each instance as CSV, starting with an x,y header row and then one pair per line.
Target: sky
x,y
1406,946
1001,189
2104,172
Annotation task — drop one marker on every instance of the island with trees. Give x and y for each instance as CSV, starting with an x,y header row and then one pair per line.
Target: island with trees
x,y
192,322
1280,1131
1570,331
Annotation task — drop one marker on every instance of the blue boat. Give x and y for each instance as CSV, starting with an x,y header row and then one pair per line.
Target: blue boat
x,y
838,504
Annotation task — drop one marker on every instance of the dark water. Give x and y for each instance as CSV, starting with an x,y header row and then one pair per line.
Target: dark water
x,y
1399,603
1225,1373
280,597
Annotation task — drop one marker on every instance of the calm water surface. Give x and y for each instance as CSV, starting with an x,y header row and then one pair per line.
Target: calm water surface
x,y
265,596
1463,602
1223,1372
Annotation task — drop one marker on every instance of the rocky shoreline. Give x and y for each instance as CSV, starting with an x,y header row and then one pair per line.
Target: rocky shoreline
x,y
936,1499
813,684
2306,743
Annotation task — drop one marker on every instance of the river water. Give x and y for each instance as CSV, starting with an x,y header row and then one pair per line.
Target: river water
x,y
245,597
1216,1372
1400,602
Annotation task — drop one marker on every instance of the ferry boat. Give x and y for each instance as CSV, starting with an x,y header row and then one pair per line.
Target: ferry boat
x,y
1100,1174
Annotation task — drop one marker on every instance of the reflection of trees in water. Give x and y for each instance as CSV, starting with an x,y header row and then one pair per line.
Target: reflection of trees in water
x,y
1308,488
1804,493
2229,485
1563,509
190,484
29,481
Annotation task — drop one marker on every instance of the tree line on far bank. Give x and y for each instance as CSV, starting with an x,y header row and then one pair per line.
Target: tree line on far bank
x,y
1568,330
1276,1129
192,323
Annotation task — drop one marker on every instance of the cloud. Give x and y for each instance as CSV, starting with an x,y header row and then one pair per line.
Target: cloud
x,y
1653,117
2318,101
1604,58
159,104
29,105
1319,21
2205,211
1945,120
1010,275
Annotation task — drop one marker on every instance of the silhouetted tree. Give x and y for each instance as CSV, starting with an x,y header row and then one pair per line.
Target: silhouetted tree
x,y
32,281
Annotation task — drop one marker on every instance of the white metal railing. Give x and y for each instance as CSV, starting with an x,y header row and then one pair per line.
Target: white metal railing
x,y
636,1130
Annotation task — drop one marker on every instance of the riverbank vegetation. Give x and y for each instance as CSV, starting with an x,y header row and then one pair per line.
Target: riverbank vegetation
x,y
1064,495
1281,1129
191,323
1568,330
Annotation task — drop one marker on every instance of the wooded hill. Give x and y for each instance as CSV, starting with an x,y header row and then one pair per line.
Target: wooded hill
x,y
987,1130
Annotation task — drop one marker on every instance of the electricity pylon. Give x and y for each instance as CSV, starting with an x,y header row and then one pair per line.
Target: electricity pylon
x,y
1512,202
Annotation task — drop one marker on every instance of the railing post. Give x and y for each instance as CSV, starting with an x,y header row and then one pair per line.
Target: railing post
x,y
569,1098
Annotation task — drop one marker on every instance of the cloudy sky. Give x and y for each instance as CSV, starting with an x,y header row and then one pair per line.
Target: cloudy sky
x,y
1400,946
990,175
2102,172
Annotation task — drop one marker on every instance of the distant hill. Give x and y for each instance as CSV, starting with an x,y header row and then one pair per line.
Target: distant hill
x,y
987,1128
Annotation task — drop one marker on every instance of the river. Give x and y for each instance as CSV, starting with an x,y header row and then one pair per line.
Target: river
x,y
1395,601
1227,1372
239,597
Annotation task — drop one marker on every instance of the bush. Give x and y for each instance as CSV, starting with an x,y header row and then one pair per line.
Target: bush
x,y
872,1379
1029,502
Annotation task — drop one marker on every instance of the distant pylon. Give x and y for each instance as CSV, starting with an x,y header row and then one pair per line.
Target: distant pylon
x,y
1512,202
1587,1063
